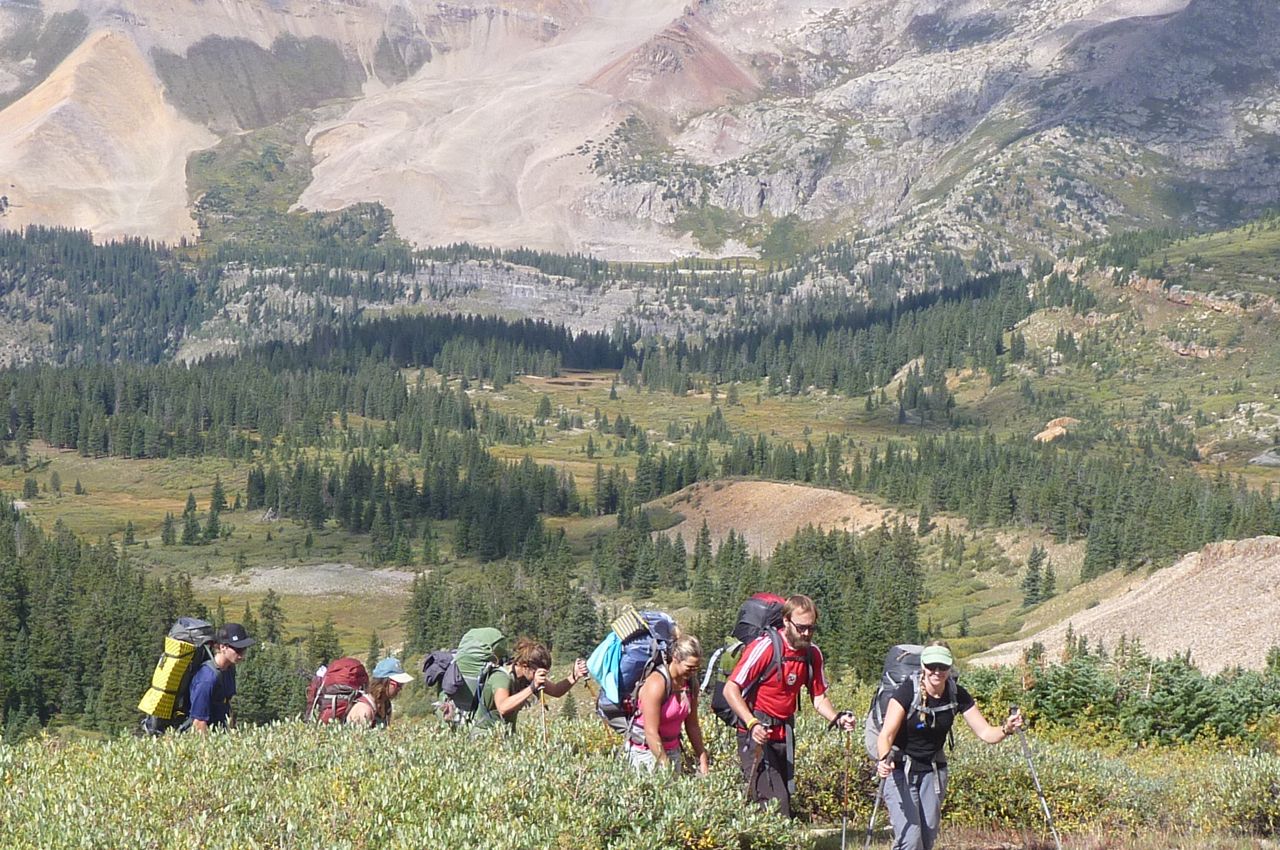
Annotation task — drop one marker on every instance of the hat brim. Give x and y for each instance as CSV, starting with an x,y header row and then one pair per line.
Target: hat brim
x,y
936,655
242,644
402,678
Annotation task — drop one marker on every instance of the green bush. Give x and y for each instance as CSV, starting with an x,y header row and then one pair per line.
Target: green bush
x,y
412,786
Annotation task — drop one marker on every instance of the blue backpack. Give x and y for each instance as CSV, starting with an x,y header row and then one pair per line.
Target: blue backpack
x,y
638,643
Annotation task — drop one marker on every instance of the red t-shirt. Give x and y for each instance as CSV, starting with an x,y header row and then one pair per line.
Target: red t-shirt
x,y
778,696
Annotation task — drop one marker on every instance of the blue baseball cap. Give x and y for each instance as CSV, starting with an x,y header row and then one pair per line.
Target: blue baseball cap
x,y
391,668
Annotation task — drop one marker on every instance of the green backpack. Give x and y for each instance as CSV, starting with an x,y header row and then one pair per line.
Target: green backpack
x,y
479,653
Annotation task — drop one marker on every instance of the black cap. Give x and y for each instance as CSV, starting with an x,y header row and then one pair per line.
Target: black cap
x,y
233,634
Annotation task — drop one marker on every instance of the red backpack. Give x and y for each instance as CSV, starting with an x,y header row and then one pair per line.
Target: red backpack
x,y
334,689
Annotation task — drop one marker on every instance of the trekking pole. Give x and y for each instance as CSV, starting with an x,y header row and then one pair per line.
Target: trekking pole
x,y
755,769
542,697
871,824
848,759
1044,804
844,806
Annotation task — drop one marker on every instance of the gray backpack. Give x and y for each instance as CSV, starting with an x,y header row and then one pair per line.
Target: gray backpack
x,y
901,664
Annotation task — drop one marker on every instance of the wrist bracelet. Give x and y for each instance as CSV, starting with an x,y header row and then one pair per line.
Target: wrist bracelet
x,y
752,723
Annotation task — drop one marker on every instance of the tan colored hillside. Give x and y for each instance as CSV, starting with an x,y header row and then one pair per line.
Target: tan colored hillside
x,y
765,512
480,146
1222,603
75,153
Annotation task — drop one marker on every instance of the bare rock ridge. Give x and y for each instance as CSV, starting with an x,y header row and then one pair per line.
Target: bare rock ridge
x,y
1222,604
990,127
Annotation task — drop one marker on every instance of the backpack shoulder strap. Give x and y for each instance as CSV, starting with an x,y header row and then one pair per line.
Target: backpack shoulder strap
x,y
477,705
662,671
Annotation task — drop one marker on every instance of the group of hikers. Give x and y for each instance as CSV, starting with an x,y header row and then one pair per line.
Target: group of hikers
x,y
905,734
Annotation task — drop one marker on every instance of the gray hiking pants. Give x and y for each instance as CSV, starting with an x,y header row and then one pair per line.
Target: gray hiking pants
x,y
914,803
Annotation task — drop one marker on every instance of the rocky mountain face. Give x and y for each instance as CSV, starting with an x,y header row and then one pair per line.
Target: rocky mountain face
x,y
647,130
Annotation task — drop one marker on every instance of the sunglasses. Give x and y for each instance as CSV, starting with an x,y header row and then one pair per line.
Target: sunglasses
x,y
803,629
937,668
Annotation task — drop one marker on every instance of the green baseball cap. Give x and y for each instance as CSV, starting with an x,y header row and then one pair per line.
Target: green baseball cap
x,y
936,655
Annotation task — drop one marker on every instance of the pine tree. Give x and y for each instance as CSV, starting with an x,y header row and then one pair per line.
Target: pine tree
x,y
374,652
568,708
272,617
1047,584
579,628
168,535
190,529
1033,581
217,498
645,579
323,645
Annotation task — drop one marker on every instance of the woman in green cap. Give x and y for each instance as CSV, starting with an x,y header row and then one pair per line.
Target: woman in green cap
x,y
911,746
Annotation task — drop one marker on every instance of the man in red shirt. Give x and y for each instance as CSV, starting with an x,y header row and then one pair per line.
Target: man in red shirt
x,y
764,691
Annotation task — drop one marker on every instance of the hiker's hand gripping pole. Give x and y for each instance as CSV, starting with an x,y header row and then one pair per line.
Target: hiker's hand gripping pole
x,y
1014,714
846,720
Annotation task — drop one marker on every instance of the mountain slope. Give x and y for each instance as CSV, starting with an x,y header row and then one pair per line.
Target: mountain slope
x,y
1220,604
75,151
991,128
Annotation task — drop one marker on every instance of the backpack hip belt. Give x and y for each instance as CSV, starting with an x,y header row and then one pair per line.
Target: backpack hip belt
x,y
934,767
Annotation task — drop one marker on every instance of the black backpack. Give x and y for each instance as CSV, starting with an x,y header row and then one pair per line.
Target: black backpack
x,y
902,664
759,616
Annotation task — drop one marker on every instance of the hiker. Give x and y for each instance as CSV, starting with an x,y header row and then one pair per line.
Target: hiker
x,y
509,688
214,684
766,727
374,708
913,789
667,703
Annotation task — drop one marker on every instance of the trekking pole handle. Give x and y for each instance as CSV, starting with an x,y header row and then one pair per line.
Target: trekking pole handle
x,y
835,721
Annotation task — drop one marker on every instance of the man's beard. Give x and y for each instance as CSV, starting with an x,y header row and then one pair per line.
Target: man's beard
x,y
797,639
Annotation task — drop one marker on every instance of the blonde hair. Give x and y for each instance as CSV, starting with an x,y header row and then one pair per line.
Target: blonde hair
x,y
684,647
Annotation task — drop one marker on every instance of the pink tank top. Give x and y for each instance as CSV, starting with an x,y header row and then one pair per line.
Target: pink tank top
x,y
674,712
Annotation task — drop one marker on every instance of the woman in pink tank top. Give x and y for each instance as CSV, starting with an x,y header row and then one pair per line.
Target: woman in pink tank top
x,y
668,704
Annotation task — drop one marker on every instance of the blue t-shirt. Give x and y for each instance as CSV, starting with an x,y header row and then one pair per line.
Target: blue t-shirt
x,y
211,693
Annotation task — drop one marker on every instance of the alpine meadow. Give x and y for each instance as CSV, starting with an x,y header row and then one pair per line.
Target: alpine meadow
x,y
534,424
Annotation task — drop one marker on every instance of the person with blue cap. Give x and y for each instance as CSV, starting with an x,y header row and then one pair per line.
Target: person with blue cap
x,y
374,708
912,743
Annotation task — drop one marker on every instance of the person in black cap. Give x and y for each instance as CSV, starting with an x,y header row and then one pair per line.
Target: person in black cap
x,y
214,684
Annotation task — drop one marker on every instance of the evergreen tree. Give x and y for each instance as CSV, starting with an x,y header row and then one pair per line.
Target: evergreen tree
x,y
272,617
1048,583
579,628
323,645
218,497
1033,581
